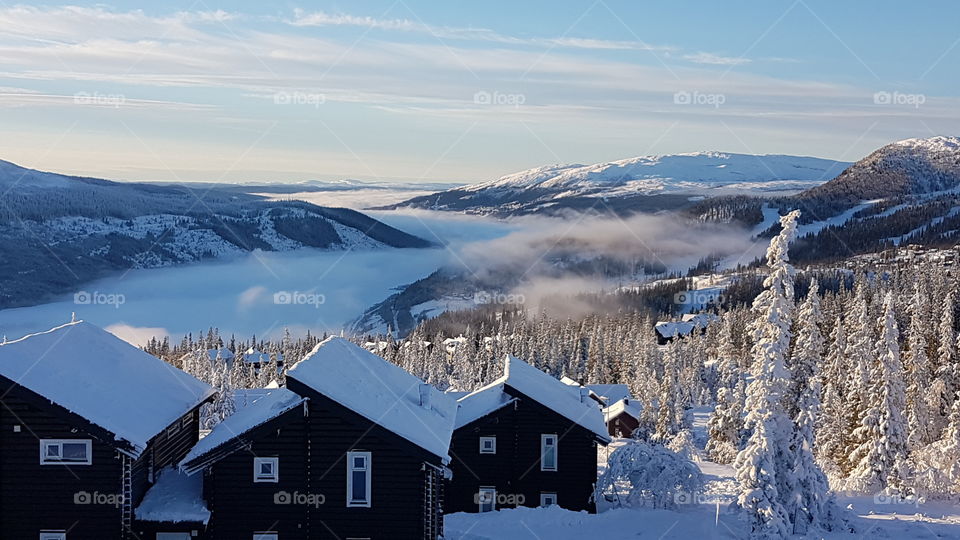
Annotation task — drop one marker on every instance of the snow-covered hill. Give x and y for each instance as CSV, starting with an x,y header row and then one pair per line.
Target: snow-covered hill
x,y
681,175
907,167
65,231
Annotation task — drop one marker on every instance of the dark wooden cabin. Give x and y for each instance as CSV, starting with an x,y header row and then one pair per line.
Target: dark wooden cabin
x,y
622,418
526,439
353,447
86,423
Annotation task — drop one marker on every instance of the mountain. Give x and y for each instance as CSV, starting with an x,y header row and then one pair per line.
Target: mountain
x,y
908,167
638,184
65,230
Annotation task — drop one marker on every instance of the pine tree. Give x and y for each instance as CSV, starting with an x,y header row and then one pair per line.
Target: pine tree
x,y
808,506
764,467
880,459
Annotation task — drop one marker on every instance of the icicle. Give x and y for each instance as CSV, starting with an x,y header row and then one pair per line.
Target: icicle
x,y
73,316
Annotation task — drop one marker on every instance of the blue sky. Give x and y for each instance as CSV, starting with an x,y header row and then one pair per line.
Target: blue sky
x,y
460,91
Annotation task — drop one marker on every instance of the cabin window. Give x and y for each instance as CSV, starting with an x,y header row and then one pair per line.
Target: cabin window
x,y
488,445
486,499
266,536
185,423
266,469
358,479
172,430
173,536
53,535
548,452
66,451
548,499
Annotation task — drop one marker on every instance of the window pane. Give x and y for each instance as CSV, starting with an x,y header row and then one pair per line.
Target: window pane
x,y
550,457
74,451
359,486
359,462
266,468
53,450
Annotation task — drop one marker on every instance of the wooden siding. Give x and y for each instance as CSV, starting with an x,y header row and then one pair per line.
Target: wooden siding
x,y
312,451
515,469
35,497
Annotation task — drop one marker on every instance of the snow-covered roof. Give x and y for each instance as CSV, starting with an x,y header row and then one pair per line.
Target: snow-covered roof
x,y
175,498
103,379
610,392
630,406
561,398
481,403
379,391
670,329
261,411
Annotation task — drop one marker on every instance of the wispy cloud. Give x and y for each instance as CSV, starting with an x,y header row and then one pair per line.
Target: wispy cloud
x,y
715,59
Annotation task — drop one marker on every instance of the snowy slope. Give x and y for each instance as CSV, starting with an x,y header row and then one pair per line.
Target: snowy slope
x,y
691,172
67,231
676,179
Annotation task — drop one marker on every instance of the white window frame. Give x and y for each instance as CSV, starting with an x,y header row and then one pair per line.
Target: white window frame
x,y
493,446
46,443
492,491
266,536
173,429
259,477
368,477
543,451
53,535
544,495
185,422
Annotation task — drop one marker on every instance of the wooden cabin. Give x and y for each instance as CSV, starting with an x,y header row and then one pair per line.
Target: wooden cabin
x,y
87,421
527,439
622,418
353,447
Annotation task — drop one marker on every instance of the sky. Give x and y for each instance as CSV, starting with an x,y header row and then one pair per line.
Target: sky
x,y
457,91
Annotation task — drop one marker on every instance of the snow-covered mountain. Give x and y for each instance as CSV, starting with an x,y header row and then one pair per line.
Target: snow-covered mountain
x,y
66,230
675,179
902,168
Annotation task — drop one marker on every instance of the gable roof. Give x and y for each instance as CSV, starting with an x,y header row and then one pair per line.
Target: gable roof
x,y
628,406
481,403
98,376
267,407
611,393
380,392
553,394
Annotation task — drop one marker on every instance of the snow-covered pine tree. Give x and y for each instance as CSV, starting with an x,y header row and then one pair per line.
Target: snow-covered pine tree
x,y
832,428
764,467
809,505
880,461
917,364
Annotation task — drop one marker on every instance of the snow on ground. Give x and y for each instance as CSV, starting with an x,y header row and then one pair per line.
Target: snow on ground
x,y
708,516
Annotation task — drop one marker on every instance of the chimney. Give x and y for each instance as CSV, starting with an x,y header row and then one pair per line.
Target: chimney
x,y
425,395
584,394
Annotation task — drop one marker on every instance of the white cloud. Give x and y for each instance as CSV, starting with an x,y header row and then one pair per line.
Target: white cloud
x,y
716,60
